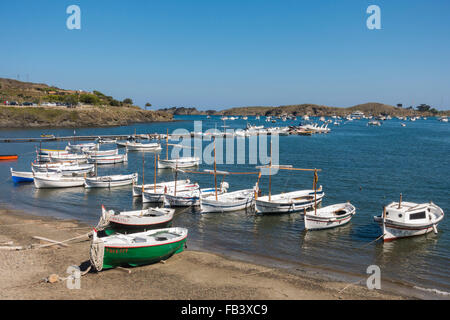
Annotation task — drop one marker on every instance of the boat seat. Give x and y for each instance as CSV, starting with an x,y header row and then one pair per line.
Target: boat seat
x,y
165,236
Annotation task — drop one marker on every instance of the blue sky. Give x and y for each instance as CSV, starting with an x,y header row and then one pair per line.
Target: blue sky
x,y
220,54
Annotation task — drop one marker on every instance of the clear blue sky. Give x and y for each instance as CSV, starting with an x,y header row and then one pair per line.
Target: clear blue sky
x,y
219,54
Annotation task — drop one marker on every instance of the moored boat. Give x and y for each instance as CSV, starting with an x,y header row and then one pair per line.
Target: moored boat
x,y
137,188
119,158
289,202
110,181
135,221
82,147
329,217
66,169
184,162
21,176
136,249
56,181
99,153
9,157
407,219
228,202
156,195
138,146
68,157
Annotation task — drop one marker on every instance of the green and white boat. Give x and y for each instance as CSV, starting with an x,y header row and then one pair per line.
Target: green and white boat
x,y
136,249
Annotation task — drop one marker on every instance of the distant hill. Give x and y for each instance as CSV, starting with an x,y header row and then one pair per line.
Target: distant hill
x,y
371,108
92,109
38,93
187,111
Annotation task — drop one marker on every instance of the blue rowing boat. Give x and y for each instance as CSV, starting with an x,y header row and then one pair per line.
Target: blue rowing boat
x,y
20,176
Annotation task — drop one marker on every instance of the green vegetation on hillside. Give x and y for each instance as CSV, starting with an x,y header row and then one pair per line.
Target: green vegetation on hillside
x,y
23,92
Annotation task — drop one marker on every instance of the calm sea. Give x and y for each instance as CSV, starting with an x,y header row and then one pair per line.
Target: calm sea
x,y
369,166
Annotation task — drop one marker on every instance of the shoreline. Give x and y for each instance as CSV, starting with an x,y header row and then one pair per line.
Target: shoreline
x,y
192,274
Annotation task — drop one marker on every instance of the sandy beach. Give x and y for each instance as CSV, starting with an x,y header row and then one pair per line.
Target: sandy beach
x,y
188,275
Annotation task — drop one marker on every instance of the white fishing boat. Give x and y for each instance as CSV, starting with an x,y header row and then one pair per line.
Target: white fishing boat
x,y
228,202
156,195
101,140
121,144
289,202
102,153
374,123
65,169
190,196
81,147
407,219
137,220
138,146
68,157
110,181
57,181
137,188
45,167
184,198
329,217
43,155
119,158
184,162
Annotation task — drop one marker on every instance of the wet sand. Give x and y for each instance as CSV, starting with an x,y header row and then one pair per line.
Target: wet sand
x,y
188,275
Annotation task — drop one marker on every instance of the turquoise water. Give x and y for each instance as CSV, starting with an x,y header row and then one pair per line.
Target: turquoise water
x,y
370,166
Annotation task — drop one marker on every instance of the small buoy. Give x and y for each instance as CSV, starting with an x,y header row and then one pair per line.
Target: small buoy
x,y
360,188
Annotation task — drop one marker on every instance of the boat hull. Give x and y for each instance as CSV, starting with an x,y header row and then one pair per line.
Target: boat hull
x,y
317,221
41,183
265,206
182,201
8,157
115,256
393,231
210,204
96,183
183,163
19,177
137,189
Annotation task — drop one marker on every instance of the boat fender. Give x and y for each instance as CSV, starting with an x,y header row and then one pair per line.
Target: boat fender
x,y
435,229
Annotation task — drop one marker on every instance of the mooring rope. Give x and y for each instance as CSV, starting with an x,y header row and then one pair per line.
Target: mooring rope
x,y
96,254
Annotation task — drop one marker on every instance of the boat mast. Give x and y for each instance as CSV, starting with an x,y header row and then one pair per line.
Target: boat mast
x,y
400,202
143,172
215,175
167,144
176,173
154,175
270,172
315,191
